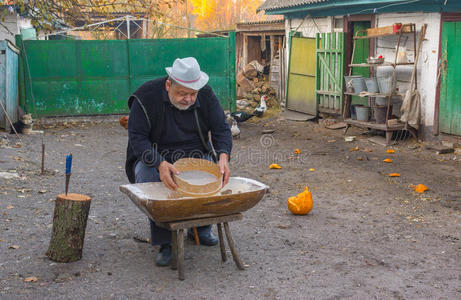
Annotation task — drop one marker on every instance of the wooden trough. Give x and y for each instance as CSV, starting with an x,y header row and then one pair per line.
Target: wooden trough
x,y
162,205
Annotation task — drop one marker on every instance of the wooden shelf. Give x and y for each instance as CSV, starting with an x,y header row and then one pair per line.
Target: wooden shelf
x,y
369,95
380,35
384,64
374,125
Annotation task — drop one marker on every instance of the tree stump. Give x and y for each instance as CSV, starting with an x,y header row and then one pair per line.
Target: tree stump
x,y
69,224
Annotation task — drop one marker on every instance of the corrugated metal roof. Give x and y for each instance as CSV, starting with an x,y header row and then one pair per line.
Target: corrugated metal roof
x,y
262,22
278,4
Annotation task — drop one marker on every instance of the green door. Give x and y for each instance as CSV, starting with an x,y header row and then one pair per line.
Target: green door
x,y
450,91
362,51
301,77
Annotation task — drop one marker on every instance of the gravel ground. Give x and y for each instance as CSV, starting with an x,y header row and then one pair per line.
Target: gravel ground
x,y
368,235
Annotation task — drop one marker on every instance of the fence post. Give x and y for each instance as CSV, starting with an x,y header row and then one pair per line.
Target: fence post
x,y
232,84
128,27
21,77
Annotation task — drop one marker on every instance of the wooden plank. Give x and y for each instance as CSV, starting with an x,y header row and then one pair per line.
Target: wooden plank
x,y
199,222
373,125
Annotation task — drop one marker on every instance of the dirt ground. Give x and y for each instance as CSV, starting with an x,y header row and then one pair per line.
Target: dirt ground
x,y
368,235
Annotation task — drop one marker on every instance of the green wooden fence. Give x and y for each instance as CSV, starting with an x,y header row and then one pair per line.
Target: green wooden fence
x,y
75,77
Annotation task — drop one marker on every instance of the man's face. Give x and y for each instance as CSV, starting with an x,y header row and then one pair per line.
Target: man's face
x,y
181,97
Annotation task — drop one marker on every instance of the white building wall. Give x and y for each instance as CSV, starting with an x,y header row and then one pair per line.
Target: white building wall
x,y
11,22
428,60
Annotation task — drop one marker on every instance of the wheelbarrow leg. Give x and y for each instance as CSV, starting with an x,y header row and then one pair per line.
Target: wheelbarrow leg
x,y
234,252
180,253
221,243
174,249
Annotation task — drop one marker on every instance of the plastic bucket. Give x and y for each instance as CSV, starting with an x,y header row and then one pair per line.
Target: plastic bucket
x,y
380,114
381,101
359,85
363,113
384,84
372,85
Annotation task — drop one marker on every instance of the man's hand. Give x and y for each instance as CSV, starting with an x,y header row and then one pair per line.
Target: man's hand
x,y
166,170
224,167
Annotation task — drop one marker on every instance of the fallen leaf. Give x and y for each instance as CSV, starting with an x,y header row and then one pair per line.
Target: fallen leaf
x,y
15,247
42,191
390,151
394,175
275,166
359,158
31,279
354,149
331,141
297,151
420,188
9,207
312,170
387,160
368,150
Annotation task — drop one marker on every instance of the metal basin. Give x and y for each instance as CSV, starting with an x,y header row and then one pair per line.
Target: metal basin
x,y
162,205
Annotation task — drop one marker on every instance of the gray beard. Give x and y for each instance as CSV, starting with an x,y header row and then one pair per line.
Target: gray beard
x,y
178,107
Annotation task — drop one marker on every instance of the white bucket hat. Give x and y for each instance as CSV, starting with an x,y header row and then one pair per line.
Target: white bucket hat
x,y
186,72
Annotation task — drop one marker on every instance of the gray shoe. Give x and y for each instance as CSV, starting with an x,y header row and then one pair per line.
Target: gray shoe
x,y
163,258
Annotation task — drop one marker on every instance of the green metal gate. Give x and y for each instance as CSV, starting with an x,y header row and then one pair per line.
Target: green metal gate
x,y
75,77
330,71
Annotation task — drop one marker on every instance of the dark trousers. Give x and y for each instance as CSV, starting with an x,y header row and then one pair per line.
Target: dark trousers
x,y
158,235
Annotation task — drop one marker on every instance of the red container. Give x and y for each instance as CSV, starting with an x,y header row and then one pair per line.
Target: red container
x,y
396,27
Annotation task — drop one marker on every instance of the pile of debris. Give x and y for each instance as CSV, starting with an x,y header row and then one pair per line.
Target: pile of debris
x,y
252,85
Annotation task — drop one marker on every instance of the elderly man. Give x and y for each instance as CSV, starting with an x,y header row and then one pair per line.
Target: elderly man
x,y
170,118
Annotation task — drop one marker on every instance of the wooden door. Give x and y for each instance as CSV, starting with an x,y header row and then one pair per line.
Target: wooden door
x,y
330,72
450,90
301,76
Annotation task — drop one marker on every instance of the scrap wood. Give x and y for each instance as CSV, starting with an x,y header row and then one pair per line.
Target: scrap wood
x,y
440,149
335,126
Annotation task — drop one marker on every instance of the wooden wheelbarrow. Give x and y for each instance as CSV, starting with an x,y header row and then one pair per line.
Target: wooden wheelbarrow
x,y
176,212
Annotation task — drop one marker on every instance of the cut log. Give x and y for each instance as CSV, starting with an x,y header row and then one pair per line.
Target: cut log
x,y
69,224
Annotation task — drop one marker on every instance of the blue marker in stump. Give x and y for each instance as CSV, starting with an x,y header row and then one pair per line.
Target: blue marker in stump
x,y
68,170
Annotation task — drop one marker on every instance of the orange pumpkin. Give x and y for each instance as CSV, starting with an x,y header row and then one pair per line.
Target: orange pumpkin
x,y
301,204
420,188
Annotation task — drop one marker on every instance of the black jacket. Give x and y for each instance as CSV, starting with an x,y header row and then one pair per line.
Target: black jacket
x,y
148,106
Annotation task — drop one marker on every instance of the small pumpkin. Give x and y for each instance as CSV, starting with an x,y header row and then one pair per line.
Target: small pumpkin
x,y
394,175
420,188
301,204
387,160
275,166
390,151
